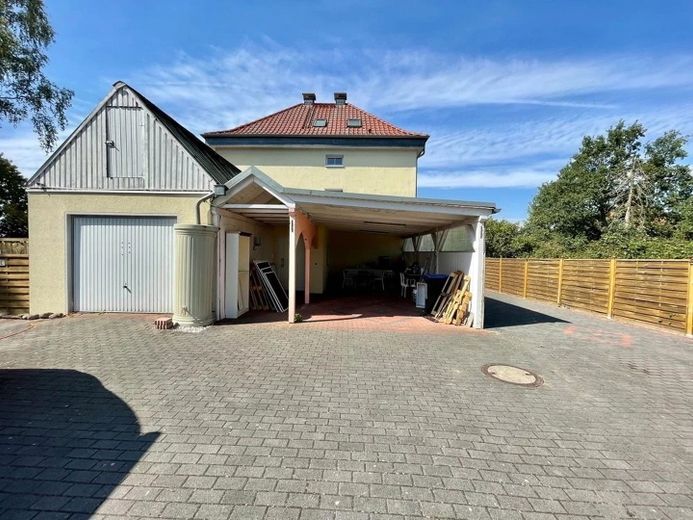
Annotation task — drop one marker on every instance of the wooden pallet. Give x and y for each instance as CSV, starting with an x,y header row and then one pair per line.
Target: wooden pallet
x,y
258,297
456,309
452,284
457,304
462,313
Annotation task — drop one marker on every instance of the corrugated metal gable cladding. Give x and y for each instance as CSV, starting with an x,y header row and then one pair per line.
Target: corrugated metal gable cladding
x,y
165,166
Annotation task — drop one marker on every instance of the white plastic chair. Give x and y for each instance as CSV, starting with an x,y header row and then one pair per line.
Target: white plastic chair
x,y
405,285
379,279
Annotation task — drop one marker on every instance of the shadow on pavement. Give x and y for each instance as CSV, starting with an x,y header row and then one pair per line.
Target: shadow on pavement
x,y
501,314
65,442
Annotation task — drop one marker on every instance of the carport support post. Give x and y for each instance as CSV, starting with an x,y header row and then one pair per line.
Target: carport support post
x,y
478,278
305,229
438,242
416,243
306,267
292,268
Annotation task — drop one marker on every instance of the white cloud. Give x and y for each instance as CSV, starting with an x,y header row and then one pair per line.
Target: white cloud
x,y
21,145
430,80
225,88
559,137
487,178
24,151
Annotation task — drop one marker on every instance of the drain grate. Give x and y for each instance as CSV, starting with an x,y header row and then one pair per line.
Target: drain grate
x,y
513,375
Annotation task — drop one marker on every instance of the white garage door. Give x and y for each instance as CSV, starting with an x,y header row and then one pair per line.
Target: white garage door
x,y
122,264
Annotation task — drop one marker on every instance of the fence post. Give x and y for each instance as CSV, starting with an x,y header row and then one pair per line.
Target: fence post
x,y
500,274
560,281
689,311
524,285
612,288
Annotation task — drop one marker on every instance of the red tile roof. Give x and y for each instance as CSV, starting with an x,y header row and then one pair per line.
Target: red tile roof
x,y
298,120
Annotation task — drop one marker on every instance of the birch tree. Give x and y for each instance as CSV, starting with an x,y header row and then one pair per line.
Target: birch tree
x,y
618,181
25,91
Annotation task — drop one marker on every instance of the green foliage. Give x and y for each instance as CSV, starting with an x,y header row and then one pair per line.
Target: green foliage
x,y
617,197
684,229
13,201
500,238
24,89
575,204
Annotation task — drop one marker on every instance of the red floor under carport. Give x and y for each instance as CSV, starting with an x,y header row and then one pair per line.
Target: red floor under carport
x,y
370,312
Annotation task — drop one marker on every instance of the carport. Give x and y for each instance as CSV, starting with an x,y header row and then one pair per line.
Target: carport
x,y
252,202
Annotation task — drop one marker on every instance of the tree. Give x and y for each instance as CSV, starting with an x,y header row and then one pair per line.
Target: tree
x,y
576,203
25,91
500,238
615,184
13,201
646,182
671,185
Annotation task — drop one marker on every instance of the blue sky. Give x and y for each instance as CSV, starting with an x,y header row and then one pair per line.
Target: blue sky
x,y
506,89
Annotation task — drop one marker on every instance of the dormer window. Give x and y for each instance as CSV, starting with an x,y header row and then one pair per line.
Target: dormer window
x,y
354,122
334,161
319,122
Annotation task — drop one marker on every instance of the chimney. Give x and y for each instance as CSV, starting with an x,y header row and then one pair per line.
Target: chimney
x,y
340,98
308,98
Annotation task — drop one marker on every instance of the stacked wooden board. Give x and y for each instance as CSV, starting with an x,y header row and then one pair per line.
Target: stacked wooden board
x,y
453,304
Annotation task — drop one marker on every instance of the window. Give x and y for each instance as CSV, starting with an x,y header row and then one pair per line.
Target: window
x,y
319,122
354,122
334,161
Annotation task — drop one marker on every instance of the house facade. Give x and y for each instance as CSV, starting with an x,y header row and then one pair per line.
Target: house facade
x,y
326,146
334,147
133,213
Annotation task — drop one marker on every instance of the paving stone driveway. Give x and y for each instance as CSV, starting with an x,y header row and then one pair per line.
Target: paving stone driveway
x,y
102,416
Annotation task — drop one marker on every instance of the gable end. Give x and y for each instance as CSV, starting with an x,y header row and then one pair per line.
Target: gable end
x,y
126,144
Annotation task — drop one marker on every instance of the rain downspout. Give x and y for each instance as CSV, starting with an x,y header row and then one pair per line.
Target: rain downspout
x,y
197,206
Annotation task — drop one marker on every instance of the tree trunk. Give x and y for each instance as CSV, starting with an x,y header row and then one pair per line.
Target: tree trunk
x,y
629,201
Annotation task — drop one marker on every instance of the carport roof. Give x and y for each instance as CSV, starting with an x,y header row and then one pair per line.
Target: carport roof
x,y
255,195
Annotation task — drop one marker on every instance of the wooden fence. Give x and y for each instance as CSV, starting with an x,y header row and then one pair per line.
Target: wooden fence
x,y
14,246
657,292
14,275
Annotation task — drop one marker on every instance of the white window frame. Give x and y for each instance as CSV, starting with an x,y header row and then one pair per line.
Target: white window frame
x,y
334,156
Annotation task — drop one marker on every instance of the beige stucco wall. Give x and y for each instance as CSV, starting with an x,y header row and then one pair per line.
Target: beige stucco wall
x,y
49,238
379,171
231,222
318,259
274,246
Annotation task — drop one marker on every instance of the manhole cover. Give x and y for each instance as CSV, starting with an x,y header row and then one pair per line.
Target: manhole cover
x,y
513,375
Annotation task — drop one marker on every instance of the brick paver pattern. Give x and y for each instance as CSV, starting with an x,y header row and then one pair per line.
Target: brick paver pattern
x,y
106,417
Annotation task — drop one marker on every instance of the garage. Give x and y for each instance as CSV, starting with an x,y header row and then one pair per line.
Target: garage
x,y
122,264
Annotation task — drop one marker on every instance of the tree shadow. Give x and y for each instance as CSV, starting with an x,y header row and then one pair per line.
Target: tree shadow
x,y
502,314
65,442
